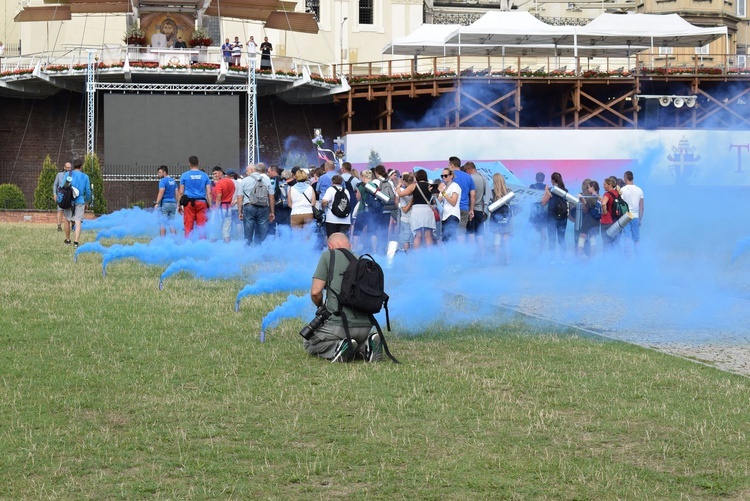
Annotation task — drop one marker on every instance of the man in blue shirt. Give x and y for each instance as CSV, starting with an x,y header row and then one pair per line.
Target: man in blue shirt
x,y
82,184
195,185
166,203
326,181
468,195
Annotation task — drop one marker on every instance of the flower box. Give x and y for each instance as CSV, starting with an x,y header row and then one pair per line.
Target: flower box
x,y
56,68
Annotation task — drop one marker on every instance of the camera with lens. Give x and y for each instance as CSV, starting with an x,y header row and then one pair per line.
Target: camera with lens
x,y
321,315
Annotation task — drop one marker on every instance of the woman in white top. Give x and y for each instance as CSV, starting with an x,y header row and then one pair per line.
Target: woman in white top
x,y
450,196
301,198
334,223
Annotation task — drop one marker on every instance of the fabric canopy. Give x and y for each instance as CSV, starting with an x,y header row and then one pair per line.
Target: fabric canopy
x,y
662,30
520,33
511,28
428,40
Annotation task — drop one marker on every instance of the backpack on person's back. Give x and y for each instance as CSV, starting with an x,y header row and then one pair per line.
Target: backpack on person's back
x,y
558,207
362,290
258,195
341,205
617,207
66,194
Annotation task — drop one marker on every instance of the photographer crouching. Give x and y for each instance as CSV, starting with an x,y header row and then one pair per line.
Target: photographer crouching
x,y
325,336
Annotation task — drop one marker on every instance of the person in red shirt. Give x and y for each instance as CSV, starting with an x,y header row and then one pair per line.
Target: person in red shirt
x,y
223,195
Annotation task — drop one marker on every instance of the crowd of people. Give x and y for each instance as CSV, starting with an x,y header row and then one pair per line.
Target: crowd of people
x,y
378,206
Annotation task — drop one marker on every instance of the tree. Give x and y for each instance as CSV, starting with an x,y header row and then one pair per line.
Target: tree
x,y
11,197
91,167
43,196
374,159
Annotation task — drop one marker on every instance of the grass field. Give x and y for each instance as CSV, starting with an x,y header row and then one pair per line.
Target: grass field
x,y
110,388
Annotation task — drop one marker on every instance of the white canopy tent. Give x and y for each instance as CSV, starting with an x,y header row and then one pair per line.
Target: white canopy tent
x,y
518,33
660,30
512,28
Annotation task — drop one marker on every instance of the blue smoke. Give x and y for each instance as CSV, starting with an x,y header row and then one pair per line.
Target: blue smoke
x,y
290,279
225,261
293,307
741,247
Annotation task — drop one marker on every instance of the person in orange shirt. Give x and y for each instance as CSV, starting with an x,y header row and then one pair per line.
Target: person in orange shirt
x,y
223,195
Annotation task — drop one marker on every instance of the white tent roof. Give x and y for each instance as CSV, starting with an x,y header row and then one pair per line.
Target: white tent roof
x,y
519,33
428,40
662,30
511,28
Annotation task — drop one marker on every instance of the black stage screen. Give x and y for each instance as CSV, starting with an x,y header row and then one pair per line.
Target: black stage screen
x,y
156,129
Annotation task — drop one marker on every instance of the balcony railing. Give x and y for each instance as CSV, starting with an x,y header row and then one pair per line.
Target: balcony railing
x,y
546,67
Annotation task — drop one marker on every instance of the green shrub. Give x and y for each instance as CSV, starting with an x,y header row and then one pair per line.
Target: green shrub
x,y
11,197
94,171
43,196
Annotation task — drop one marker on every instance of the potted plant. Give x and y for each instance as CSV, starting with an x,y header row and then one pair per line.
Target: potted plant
x,y
200,38
135,36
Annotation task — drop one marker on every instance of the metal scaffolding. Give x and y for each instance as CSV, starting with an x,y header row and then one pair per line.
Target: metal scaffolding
x,y
90,104
250,89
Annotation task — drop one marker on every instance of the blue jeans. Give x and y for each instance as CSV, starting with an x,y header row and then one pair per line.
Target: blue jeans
x,y
450,228
255,220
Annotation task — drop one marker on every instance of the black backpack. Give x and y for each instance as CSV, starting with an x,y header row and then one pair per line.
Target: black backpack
x,y
66,196
341,206
558,207
618,207
363,290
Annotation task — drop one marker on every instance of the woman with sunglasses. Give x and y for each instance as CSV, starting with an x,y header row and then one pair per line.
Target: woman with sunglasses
x,y
422,219
450,196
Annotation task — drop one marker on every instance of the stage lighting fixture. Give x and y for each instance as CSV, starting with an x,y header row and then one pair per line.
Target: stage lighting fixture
x,y
678,102
690,101
665,100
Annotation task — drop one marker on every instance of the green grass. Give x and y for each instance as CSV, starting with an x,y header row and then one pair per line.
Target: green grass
x,y
110,388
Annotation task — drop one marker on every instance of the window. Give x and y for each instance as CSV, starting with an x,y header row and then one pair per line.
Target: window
x,y
313,7
702,50
741,8
366,11
666,50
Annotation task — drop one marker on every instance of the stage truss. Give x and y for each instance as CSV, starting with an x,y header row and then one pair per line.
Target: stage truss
x,y
92,86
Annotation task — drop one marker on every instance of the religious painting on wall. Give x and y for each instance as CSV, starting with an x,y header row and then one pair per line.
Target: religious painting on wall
x,y
167,30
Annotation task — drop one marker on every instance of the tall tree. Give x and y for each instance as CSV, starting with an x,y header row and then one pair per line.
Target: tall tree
x,y
43,196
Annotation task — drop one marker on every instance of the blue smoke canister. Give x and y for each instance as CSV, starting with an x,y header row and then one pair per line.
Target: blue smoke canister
x,y
564,194
374,190
616,228
505,199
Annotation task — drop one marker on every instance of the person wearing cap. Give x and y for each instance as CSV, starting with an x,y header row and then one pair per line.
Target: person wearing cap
x,y
223,198
166,203
195,186
59,181
82,183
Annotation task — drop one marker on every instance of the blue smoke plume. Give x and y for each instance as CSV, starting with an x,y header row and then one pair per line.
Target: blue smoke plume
x,y
290,279
293,307
741,247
